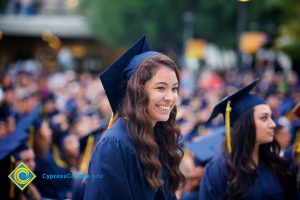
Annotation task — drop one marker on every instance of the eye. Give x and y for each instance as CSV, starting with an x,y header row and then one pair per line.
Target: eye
x,y
160,88
175,89
264,118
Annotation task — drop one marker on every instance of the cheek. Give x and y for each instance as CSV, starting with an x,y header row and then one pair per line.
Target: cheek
x,y
259,130
154,98
176,97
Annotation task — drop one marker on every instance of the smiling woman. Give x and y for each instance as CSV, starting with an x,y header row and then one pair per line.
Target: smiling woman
x,y
139,155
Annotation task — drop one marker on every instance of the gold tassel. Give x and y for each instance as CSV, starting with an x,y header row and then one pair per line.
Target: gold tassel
x,y
12,185
87,154
57,158
201,130
227,122
111,121
31,136
297,143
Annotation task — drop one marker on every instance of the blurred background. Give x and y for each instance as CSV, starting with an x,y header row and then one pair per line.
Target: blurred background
x,y
53,106
90,34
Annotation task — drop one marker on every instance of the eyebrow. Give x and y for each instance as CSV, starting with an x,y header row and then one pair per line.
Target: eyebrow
x,y
265,113
163,83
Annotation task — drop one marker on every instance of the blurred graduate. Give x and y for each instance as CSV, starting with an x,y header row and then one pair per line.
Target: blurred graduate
x,y
138,156
249,166
13,151
293,153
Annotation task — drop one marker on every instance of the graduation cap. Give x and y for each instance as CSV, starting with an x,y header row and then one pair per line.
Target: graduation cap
x,y
115,78
232,106
207,147
12,143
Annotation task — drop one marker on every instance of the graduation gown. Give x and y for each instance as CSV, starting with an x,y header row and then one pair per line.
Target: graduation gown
x,y
56,188
213,185
288,154
115,171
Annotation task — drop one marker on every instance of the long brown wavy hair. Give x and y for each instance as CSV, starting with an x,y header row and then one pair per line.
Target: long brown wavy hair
x,y
157,147
241,165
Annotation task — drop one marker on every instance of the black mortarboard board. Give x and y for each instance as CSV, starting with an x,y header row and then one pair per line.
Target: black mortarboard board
x,y
206,148
115,78
241,101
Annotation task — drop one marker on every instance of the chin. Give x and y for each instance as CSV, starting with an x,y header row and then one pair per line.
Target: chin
x,y
269,141
163,118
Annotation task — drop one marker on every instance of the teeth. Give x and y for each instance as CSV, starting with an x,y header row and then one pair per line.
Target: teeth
x,y
164,107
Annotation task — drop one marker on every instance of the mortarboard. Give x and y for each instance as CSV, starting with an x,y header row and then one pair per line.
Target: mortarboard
x,y
11,143
16,138
232,106
207,147
115,78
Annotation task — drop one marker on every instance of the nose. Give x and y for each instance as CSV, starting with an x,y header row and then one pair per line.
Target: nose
x,y
170,96
272,124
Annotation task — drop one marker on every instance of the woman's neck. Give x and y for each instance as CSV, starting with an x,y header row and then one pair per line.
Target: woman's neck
x,y
255,154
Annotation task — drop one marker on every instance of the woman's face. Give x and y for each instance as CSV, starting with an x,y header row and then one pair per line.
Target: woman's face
x,y
27,156
264,124
162,90
46,132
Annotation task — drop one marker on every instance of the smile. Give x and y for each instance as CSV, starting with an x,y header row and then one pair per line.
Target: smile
x,y
165,107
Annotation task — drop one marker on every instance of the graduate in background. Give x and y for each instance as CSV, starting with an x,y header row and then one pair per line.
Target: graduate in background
x,y
138,156
293,153
249,166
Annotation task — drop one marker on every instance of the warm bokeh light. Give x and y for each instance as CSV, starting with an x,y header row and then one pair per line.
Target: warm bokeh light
x,y
72,3
52,40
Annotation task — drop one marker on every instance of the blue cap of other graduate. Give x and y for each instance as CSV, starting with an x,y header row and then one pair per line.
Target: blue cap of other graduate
x,y
115,78
207,147
11,143
234,105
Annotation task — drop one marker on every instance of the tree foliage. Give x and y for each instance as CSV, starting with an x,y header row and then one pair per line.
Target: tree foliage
x,y
290,31
120,22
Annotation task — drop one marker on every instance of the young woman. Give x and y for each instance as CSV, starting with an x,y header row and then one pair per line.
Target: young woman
x,y
138,157
249,166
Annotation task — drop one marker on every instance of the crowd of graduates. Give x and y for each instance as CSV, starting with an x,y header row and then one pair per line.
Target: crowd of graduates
x,y
52,121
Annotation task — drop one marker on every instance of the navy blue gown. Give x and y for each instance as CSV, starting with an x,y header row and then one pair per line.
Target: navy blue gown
x,y
213,185
115,171
57,188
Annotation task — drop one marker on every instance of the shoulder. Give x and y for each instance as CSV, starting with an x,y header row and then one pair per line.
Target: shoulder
x,y
213,185
217,166
116,137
